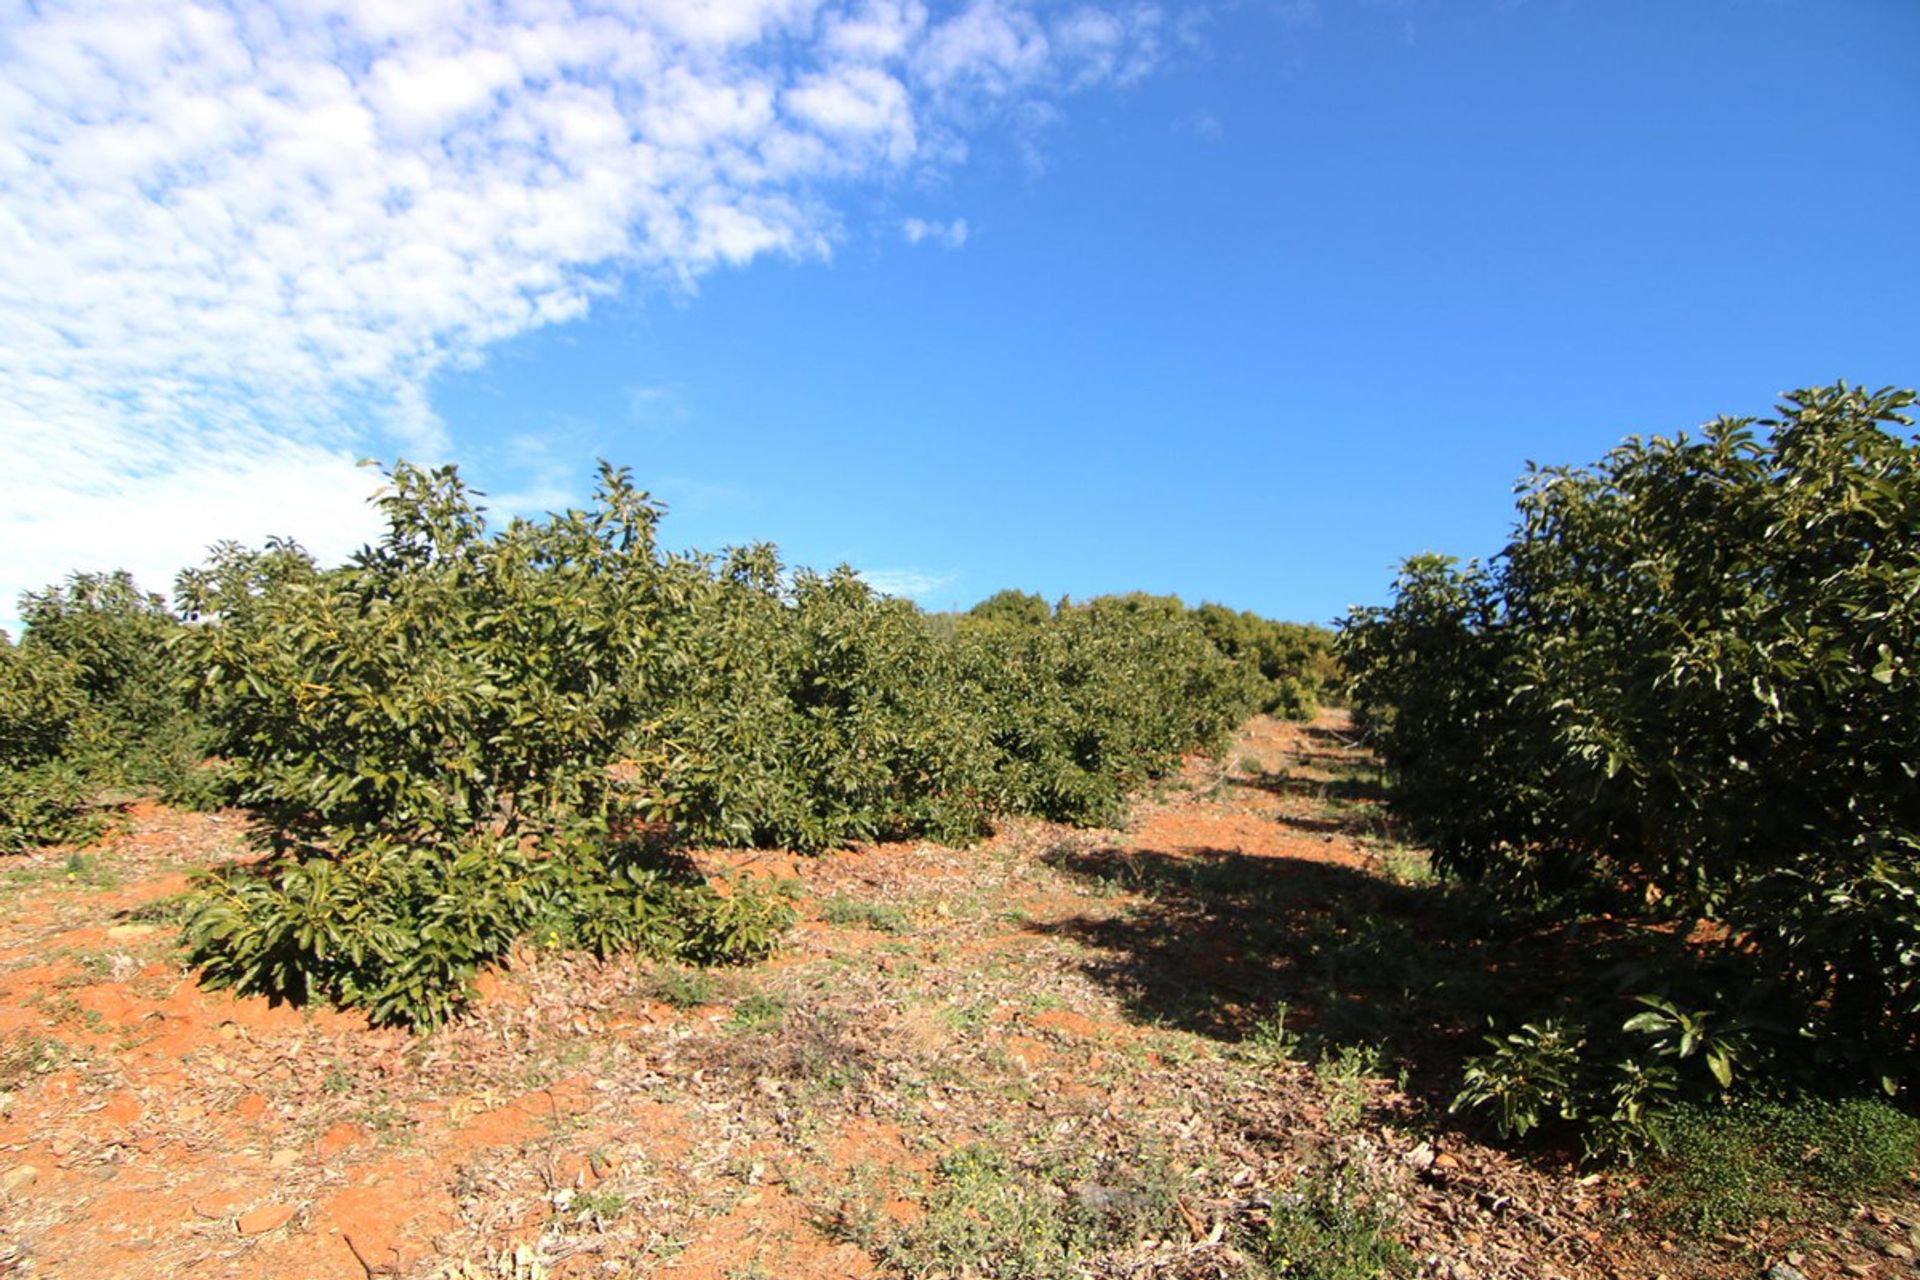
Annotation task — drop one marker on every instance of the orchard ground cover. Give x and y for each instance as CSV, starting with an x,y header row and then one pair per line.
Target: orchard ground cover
x,y
1219,1040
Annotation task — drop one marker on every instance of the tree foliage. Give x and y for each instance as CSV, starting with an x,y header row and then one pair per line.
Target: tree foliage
x,y
1292,664
88,708
465,736
1688,684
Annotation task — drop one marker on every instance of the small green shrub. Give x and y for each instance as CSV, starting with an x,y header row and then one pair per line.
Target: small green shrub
x,y
1529,1078
1271,1038
1343,1077
1339,1222
684,987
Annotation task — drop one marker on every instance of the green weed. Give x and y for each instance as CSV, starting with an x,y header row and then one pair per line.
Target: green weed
x,y
884,917
1337,1223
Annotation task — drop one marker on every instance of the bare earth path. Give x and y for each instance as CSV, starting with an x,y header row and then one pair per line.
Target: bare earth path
x,y
953,1043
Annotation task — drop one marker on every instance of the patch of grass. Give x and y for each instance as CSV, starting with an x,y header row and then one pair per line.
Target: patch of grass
x,y
966,1017
1726,1167
170,910
758,1012
76,870
1403,865
382,1117
89,870
989,1216
594,1207
23,1056
1337,1223
684,988
884,917
97,966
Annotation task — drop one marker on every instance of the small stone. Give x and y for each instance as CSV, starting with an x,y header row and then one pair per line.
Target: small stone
x,y
1785,1271
1421,1157
284,1158
18,1179
264,1219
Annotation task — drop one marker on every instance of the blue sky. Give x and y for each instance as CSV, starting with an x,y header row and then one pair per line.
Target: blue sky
x,y
1244,302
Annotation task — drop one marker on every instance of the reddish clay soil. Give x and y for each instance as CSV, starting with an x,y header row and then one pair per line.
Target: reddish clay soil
x,y
625,1119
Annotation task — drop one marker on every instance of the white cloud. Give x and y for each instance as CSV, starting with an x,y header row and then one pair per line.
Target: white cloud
x,y
157,515
913,584
951,234
242,239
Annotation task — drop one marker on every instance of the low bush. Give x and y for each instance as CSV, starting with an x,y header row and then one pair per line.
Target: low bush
x,y
1338,1222
399,931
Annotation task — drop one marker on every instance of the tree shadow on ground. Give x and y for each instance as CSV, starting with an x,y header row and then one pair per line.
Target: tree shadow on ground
x,y
1338,790
1219,943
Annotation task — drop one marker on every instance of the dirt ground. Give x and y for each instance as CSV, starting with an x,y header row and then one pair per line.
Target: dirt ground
x,y
1180,1014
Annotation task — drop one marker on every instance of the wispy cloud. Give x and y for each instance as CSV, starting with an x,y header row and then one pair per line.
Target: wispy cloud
x,y
657,406
1201,124
913,584
243,239
1297,13
951,234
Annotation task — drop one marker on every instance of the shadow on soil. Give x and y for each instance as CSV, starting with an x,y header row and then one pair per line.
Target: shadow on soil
x,y
1221,943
